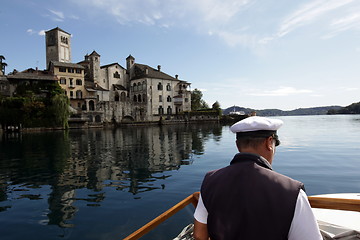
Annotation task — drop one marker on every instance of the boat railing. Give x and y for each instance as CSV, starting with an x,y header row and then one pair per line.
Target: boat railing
x,y
315,202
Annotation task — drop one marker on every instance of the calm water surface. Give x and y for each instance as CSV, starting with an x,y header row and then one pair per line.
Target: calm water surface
x,y
104,184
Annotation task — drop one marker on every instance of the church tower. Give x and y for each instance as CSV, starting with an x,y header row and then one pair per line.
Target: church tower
x,y
58,46
94,60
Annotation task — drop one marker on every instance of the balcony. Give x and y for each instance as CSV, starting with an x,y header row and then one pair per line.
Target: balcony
x,y
178,100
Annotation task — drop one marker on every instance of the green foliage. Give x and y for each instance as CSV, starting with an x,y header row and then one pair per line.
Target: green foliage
x,y
197,102
59,110
216,107
37,105
351,109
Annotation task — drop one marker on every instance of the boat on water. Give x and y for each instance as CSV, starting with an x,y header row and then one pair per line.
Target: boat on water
x,y
338,216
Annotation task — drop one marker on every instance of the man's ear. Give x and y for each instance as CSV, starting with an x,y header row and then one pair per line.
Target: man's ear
x,y
237,145
269,143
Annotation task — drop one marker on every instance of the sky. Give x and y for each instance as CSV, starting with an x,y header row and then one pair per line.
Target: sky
x,y
260,54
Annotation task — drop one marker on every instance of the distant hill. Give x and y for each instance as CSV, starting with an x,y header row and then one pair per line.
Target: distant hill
x,y
278,112
351,109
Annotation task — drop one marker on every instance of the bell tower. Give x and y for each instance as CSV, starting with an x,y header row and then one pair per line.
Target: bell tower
x,y
58,46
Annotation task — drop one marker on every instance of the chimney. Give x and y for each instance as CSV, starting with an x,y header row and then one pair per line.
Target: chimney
x,y
159,68
176,76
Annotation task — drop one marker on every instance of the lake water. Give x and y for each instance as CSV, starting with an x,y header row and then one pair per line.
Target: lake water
x,y
105,184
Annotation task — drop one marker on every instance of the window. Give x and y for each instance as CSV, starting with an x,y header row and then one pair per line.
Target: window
x,y
168,99
139,98
71,70
62,80
160,87
91,105
160,98
135,98
122,96
116,75
62,69
169,110
78,82
117,97
135,87
78,71
71,94
186,100
79,94
161,110
168,87
71,82
144,98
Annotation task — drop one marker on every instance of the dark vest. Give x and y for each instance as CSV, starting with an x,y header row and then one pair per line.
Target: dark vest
x,y
247,200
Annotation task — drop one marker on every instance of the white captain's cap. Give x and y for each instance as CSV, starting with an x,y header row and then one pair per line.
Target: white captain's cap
x,y
252,124
257,127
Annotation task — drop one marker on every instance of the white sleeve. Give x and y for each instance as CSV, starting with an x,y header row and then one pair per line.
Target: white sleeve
x,y
201,213
304,225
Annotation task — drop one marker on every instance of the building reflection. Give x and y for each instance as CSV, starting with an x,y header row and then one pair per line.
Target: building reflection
x,y
129,159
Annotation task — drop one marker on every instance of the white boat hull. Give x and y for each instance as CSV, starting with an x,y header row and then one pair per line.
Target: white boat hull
x,y
335,222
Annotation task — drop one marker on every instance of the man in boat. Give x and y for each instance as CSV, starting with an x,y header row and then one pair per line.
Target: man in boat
x,y
247,199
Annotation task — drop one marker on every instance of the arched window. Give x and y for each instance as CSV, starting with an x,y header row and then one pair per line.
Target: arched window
x,y
160,87
169,110
91,105
97,118
139,98
79,94
168,99
139,86
168,87
135,87
144,97
123,97
116,74
135,98
117,97
161,110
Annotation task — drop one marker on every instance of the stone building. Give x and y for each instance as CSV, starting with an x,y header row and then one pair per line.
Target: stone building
x,y
112,93
30,77
58,46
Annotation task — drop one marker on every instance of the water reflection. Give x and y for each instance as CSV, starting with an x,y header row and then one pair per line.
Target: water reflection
x,y
53,166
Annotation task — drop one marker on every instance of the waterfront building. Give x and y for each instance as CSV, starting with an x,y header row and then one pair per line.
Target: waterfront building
x,y
108,93
4,86
31,77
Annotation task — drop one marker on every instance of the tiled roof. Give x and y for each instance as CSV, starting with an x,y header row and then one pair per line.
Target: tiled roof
x,y
99,88
111,64
119,87
31,74
64,64
57,28
94,53
140,72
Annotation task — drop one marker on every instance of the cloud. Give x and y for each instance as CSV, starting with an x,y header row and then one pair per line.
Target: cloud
x,y
309,13
30,31
57,15
282,91
351,89
232,21
339,25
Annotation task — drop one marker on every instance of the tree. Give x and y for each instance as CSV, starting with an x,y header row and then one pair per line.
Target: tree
x,y
2,64
197,102
216,106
